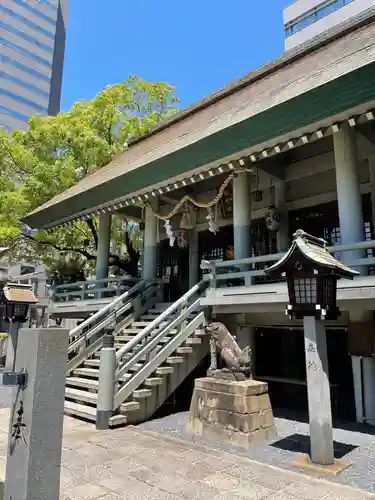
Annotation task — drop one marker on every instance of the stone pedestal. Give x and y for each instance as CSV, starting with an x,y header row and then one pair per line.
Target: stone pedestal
x,y
237,413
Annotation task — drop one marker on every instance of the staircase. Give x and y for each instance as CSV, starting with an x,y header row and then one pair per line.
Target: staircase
x,y
156,345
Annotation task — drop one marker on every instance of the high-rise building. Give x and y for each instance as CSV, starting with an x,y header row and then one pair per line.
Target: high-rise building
x,y
32,46
305,19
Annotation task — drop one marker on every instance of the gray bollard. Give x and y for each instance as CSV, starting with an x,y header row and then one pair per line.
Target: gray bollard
x,y
106,391
12,346
36,421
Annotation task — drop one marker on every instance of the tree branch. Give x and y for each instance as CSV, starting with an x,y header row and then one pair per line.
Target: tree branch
x,y
93,230
85,253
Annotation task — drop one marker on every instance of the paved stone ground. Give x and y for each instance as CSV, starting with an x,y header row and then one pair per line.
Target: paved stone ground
x,y
131,463
354,442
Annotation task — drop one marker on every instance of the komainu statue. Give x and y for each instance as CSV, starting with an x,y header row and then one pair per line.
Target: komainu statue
x,y
227,359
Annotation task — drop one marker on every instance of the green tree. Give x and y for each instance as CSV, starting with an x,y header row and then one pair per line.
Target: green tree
x,y
58,151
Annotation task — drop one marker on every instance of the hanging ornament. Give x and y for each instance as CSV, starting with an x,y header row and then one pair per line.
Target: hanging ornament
x,y
257,195
186,219
169,232
182,239
272,213
212,226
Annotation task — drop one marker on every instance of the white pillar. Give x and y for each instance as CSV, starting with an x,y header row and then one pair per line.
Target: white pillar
x,y
150,245
318,391
242,215
104,238
348,191
283,242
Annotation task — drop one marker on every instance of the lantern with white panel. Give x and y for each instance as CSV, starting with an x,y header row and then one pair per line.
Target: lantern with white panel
x,y
312,273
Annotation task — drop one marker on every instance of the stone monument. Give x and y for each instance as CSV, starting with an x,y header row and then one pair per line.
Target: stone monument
x,y
228,404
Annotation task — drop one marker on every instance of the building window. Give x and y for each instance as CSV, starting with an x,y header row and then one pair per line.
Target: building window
x,y
14,114
25,37
22,100
25,69
48,4
28,86
27,22
25,52
27,269
36,12
313,15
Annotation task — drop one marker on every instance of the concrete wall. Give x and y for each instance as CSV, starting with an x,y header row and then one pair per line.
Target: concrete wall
x,y
298,8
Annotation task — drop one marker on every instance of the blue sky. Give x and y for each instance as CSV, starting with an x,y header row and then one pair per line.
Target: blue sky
x,y
198,45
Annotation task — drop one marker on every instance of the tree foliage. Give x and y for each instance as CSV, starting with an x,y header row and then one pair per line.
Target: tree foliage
x,y
58,151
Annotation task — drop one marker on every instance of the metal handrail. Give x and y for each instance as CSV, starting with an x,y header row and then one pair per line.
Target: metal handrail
x,y
156,322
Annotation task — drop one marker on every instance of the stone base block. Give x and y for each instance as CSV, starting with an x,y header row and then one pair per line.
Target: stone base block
x,y
236,412
338,466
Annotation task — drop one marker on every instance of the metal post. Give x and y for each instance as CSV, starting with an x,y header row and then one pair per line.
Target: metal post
x,y
318,391
107,378
12,346
36,424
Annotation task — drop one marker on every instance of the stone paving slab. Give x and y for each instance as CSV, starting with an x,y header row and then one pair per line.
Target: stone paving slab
x,y
353,442
133,463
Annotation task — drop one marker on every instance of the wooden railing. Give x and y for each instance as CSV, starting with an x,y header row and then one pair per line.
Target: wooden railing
x,y
245,272
86,338
93,289
146,344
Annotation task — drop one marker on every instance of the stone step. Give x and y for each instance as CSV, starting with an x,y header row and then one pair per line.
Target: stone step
x,y
77,395
92,362
193,341
164,370
93,374
153,381
142,393
184,350
86,372
173,360
89,413
130,406
82,382
79,410
140,324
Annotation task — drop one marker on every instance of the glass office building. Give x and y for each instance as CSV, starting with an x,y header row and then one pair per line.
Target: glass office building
x,y
305,19
32,45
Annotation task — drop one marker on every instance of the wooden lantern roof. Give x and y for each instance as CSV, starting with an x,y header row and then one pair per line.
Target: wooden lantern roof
x,y
19,293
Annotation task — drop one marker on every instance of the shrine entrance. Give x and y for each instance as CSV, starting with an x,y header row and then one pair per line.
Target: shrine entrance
x,y
173,270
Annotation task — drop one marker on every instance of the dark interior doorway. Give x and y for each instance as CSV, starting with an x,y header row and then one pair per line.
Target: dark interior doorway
x,y
174,270
285,362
